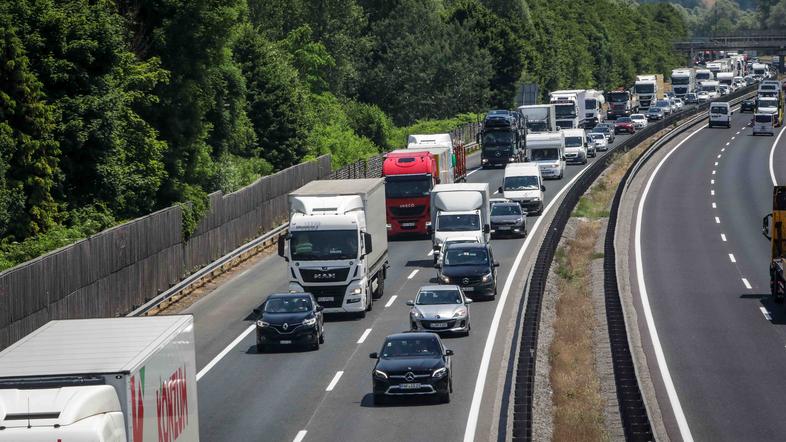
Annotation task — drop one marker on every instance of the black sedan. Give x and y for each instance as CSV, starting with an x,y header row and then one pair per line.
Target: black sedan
x,y
748,106
472,267
413,363
290,319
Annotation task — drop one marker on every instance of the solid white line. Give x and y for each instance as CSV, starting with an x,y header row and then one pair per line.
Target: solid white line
x,y
723,237
390,302
364,336
766,314
473,171
480,383
717,220
772,155
714,206
333,383
412,275
731,257
224,352
747,284
660,356
300,435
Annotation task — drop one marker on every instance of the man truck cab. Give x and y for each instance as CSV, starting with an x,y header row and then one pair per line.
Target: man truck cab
x,y
547,150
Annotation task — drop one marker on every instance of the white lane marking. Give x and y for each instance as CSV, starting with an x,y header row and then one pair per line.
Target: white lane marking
x,y
713,172
300,435
496,192
660,356
772,155
717,220
719,155
732,138
714,206
731,257
364,336
480,383
738,132
723,149
412,275
723,237
473,171
727,143
766,314
747,284
224,352
333,383
712,192
716,163
430,253
712,181
390,302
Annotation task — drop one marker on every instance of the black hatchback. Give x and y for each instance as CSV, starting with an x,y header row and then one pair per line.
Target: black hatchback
x,y
290,319
470,266
748,106
412,363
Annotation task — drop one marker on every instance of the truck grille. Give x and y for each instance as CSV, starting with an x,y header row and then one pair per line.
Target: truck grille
x,y
407,211
336,293
329,275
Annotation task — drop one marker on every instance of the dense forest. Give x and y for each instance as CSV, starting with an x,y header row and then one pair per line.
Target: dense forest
x,y
112,109
708,17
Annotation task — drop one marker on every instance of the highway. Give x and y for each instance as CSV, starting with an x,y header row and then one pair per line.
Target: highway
x,y
705,272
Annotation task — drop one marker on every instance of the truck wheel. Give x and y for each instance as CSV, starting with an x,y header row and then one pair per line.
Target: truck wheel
x,y
370,304
380,291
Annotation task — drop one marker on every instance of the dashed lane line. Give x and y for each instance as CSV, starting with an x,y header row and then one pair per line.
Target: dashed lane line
x,y
300,435
766,313
747,284
364,336
723,237
390,301
731,257
717,220
412,275
333,383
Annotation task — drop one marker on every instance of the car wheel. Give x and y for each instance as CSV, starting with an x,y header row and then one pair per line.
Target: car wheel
x,y
380,399
315,344
261,348
444,398
322,336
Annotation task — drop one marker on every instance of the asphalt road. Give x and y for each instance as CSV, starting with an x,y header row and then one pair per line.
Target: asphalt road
x,y
300,395
705,266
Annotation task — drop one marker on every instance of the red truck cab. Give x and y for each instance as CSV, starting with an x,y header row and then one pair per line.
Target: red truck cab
x,y
409,178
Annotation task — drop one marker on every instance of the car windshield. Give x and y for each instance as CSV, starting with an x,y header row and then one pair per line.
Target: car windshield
x,y
411,348
763,118
497,138
288,305
663,103
656,110
711,88
544,154
520,183
595,136
458,223
437,297
718,110
466,257
324,244
691,96
574,142
637,117
602,129
505,209
402,186
624,120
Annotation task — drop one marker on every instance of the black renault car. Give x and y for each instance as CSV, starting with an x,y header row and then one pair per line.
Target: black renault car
x,y
412,363
290,319
472,267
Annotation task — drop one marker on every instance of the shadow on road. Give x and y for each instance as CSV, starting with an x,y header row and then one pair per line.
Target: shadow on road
x,y
403,401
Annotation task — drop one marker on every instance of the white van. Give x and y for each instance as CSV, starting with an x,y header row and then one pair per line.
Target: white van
x,y
548,151
523,184
764,123
720,114
575,146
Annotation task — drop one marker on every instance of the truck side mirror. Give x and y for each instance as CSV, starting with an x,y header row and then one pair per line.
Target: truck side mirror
x,y
368,242
430,229
486,228
765,226
258,311
542,188
500,190
477,138
281,242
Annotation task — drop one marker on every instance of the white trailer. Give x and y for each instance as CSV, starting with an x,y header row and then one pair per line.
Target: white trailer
x,y
101,380
441,148
570,108
593,103
460,209
337,245
540,117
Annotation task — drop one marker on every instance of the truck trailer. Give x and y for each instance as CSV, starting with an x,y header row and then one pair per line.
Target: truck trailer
x,y
101,380
540,117
452,165
337,245
500,140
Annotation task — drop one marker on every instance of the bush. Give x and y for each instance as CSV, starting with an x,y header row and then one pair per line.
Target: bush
x,y
368,120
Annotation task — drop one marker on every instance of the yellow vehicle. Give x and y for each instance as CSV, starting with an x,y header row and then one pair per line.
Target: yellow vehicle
x,y
774,228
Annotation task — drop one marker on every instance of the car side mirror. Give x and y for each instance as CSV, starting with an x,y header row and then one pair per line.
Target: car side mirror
x,y
281,242
320,308
765,226
373,355
486,228
542,188
411,303
448,352
496,263
468,301
258,312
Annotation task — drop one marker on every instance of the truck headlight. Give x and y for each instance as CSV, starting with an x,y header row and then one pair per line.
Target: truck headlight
x,y
263,324
379,374
309,321
355,288
487,277
439,373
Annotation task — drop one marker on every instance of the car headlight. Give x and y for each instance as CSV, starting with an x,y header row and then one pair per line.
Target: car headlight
x,y
416,314
439,373
444,279
520,221
487,278
309,321
379,374
460,313
263,324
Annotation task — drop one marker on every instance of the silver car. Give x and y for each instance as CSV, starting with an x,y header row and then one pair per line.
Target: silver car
x,y
440,308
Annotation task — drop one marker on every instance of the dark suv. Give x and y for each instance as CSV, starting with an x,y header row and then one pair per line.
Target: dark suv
x,y
413,363
472,267
290,319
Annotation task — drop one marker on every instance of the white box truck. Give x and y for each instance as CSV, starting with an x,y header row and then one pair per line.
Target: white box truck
x,y
101,380
548,151
540,117
460,209
570,108
441,148
337,245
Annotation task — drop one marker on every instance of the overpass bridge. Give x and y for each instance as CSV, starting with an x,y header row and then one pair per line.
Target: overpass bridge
x,y
763,42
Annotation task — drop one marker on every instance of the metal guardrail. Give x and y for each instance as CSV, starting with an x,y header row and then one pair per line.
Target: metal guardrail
x,y
633,412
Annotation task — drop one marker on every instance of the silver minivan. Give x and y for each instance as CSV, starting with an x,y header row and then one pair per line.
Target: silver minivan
x,y
764,123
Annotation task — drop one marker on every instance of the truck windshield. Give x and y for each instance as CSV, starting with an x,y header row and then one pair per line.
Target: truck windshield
x,y
466,257
537,126
458,223
618,97
647,88
521,183
536,113
324,245
591,103
565,110
574,141
765,102
680,80
501,138
703,76
544,154
412,186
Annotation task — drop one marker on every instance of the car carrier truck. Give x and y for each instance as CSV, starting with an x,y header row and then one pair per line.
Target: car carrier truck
x,y
101,380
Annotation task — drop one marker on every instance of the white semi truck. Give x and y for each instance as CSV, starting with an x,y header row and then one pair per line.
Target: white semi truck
x,y
460,209
540,117
570,108
682,81
101,380
648,88
337,246
593,103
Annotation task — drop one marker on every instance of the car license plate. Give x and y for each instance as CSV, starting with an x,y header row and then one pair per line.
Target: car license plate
x,y
468,289
439,325
286,341
503,228
407,224
411,386
325,299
